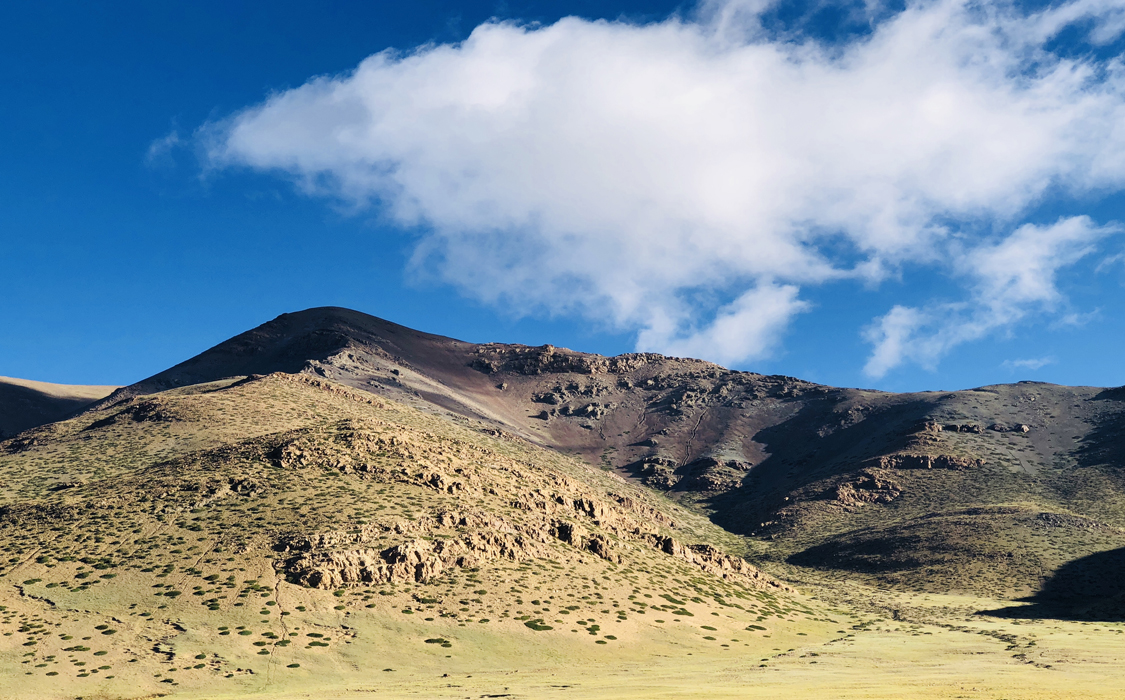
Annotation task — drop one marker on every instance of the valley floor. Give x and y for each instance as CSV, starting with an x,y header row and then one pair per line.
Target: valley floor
x,y
938,647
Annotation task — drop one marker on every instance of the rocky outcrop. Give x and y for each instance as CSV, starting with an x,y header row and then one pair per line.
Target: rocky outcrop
x,y
1017,428
714,561
707,474
416,560
353,450
866,487
547,359
923,461
365,534
420,559
961,428
568,532
657,472
712,475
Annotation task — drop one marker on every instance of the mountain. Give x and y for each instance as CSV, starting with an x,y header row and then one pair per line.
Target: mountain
x,y
928,491
263,532
25,404
334,503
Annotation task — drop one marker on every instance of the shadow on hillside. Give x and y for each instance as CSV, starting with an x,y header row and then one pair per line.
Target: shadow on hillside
x,y
877,553
1091,589
809,446
1103,445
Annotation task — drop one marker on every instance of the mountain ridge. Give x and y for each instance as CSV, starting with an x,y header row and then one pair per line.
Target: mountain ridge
x,y
330,493
812,468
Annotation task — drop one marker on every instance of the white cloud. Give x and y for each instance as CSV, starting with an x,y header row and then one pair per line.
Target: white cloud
x,y
895,337
747,327
636,174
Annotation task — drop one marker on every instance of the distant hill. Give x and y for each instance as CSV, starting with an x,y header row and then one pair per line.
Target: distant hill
x,y
25,404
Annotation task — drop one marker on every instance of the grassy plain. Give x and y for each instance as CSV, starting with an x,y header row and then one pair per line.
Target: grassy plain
x,y
943,651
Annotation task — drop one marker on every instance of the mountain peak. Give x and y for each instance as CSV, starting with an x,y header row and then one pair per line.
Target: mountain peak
x,y
287,344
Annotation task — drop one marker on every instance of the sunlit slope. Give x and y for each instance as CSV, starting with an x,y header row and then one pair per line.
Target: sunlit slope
x,y
284,532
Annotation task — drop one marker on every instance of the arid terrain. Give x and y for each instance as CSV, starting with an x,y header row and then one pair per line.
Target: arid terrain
x,y
332,504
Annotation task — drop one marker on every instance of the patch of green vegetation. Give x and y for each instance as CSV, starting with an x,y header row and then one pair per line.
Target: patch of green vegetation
x,y
538,625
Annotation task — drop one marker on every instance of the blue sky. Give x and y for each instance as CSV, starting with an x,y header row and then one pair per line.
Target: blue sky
x,y
168,182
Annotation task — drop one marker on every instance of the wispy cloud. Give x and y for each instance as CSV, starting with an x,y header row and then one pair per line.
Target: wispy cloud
x,y
1028,364
160,150
653,175
1008,280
